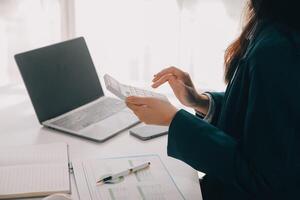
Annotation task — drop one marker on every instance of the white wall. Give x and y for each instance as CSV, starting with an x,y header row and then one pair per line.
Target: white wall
x,y
134,39
130,39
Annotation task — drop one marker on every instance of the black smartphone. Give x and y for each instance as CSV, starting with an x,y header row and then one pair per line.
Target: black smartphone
x,y
148,132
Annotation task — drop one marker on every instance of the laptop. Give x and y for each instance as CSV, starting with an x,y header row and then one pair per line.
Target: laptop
x,y
66,93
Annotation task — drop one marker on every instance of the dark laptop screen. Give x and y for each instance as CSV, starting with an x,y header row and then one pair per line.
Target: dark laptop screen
x,y
59,78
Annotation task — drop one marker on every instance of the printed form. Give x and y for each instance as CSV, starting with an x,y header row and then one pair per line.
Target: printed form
x,y
152,183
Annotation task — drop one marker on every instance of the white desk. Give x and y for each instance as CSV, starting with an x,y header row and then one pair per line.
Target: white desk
x,y
19,126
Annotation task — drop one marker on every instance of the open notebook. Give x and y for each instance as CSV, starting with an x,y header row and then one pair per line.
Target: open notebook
x,y
31,171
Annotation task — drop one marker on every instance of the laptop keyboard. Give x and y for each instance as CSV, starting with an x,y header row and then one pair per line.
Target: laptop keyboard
x,y
90,115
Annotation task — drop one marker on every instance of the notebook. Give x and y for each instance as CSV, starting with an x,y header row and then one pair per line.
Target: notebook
x,y
154,182
33,171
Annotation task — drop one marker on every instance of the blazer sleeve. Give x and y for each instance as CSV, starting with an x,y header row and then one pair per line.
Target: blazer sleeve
x,y
217,97
268,156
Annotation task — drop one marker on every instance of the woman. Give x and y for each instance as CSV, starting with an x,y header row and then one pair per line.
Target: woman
x,y
248,144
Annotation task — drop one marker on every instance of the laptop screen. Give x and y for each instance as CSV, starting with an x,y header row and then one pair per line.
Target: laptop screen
x,y
59,78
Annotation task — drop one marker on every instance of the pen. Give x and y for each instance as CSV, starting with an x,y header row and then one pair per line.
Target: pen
x,y
124,173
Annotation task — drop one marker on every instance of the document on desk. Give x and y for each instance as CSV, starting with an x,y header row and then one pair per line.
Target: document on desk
x,y
152,183
34,170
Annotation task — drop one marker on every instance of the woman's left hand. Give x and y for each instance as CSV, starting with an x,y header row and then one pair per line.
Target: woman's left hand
x,y
152,110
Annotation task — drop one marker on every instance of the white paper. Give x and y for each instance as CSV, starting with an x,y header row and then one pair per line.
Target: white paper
x,y
34,170
153,183
122,91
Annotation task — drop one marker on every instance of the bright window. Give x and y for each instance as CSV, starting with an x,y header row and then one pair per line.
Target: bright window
x,y
24,25
134,39
130,39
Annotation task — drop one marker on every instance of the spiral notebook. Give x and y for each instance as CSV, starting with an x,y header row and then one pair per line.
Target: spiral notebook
x,y
33,171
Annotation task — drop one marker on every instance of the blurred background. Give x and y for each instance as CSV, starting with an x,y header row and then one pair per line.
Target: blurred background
x,y
131,40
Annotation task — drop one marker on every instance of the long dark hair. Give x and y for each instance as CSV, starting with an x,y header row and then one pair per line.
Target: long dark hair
x,y
282,11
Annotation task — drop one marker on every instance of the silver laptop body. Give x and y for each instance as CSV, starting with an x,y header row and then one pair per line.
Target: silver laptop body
x,y
66,93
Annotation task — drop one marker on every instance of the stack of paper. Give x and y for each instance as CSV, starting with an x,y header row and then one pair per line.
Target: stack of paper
x,y
31,171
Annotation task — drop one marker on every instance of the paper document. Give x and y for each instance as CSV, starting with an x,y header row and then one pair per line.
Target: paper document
x,y
152,183
122,91
30,171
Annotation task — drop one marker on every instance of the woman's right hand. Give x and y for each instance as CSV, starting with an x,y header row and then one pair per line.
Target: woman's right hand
x,y
182,87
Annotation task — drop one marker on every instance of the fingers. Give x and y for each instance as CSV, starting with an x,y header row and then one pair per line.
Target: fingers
x,y
139,110
170,70
138,101
176,85
162,80
133,107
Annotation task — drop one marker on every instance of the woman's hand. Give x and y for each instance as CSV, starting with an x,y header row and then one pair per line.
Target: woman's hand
x,y
152,110
182,87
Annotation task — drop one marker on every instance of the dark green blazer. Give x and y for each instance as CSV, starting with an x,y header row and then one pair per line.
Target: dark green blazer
x,y
251,150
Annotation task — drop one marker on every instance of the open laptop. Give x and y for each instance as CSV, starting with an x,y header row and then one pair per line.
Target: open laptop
x,y
66,93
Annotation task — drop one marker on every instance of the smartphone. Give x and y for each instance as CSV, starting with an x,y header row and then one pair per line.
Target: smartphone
x,y
148,132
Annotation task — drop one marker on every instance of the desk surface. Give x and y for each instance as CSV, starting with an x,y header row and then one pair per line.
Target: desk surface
x,y
19,126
